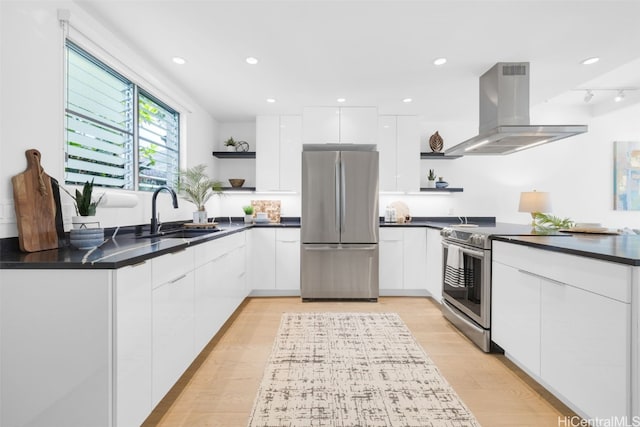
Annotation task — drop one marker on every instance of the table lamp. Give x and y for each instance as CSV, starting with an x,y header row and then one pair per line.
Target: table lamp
x,y
534,202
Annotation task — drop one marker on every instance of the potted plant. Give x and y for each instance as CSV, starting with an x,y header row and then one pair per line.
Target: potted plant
x,y
86,232
196,187
248,214
230,144
85,205
431,179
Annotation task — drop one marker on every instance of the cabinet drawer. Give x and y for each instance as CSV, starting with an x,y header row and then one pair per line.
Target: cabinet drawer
x,y
171,266
288,235
391,234
208,251
601,277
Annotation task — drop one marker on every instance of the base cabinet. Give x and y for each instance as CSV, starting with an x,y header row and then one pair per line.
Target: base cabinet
x,y
557,319
433,276
403,256
288,258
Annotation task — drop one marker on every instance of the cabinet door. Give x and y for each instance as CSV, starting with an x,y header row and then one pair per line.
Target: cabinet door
x,y
408,153
585,349
391,258
290,153
173,333
288,259
388,153
434,264
515,315
321,125
263,258
133,344
415,258
359,125
267,153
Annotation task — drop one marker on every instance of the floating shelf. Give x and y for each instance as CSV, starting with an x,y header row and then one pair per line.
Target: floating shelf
x,y
442,190
238,188
234,154
437,156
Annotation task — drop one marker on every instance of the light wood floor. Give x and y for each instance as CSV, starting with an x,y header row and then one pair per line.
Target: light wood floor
x,y
220,386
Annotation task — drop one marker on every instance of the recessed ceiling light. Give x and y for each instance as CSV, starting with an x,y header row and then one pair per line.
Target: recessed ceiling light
x,y
619,97
591,60
407,100
251,60
341,100
178,60
440,61
271,100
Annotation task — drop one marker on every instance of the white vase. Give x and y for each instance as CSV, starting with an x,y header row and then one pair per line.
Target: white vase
x,y
79,222
200,217
248,219
431,183
231,147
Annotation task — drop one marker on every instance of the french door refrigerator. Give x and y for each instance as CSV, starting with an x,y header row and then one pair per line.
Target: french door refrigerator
x,y
339,222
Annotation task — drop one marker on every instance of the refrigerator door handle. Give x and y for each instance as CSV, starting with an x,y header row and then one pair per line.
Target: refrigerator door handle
x,y
337,194
341,248
343,198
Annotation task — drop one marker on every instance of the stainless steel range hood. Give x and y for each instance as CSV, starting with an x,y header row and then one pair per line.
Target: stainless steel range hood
x,y
504,115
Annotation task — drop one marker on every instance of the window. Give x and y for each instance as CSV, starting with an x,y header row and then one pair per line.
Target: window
x,y
117,134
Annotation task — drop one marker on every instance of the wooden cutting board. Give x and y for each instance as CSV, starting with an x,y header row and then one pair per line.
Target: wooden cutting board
x,y
35,206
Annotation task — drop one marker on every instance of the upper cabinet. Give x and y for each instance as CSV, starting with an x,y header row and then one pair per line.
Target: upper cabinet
x,y
399,147
279,154
345,125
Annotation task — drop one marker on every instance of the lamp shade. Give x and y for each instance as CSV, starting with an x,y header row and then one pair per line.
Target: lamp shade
x,y
534,201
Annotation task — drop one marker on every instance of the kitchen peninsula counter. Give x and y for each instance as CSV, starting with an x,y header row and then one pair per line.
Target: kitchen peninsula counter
x,y
623,249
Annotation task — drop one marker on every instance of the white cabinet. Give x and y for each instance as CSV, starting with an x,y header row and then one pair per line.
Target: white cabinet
x,y
391,273
567,321
399,147
585,349
279,153
173,319
403,255
350,125
515,315
414,257
262,259
433,275
133,344
288,258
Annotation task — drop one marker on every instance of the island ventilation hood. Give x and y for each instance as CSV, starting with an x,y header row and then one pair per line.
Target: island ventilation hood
x,y
504,115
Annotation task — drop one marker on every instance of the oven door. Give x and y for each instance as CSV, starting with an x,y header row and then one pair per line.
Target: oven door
x,y
474,298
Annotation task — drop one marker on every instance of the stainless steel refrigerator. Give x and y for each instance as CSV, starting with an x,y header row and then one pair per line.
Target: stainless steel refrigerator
x,y
339,222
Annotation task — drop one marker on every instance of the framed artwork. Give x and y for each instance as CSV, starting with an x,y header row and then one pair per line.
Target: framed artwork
x,y
626,176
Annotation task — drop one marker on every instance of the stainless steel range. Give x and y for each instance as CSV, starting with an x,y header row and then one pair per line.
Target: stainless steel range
x,y
466,286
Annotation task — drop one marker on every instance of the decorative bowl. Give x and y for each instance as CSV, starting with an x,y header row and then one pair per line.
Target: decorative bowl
x,y
236,182
442,184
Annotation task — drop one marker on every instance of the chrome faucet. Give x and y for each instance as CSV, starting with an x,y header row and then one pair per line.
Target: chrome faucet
x,y
155,224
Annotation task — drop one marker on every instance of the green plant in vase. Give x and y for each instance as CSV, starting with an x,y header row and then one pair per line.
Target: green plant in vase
x,y
230,144
248,214
195,186
431,179
84,204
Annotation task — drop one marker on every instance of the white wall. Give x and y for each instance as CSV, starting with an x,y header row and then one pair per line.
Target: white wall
x,y
31,87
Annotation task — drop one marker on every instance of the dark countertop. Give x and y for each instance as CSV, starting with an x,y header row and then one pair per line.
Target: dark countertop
x,y
127,249
623,249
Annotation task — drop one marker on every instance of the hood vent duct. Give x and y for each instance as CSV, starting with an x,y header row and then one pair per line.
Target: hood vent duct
x,y
504,115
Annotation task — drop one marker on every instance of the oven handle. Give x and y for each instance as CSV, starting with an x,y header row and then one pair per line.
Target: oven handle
x,y
477,254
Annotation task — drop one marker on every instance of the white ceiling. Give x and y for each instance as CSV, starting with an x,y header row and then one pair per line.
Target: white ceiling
x,y
377,52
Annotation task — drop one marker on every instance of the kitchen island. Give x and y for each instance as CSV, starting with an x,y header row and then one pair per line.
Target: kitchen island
x,y
566,310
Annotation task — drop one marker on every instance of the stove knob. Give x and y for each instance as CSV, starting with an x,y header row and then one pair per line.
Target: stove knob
x,y
477,239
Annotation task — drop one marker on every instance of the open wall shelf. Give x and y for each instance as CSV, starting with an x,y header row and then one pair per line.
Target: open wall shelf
x,y
437,156
442,190
234,154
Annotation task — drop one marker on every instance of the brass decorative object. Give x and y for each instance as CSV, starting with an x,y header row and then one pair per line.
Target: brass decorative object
x,y
436,143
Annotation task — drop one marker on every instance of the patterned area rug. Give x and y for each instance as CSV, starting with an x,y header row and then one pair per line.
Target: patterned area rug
x,y
353,369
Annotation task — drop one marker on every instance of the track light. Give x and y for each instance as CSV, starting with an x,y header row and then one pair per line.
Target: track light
x,y
588,96
619,97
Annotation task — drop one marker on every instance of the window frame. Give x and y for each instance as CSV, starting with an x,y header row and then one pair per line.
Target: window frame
x,y
132,155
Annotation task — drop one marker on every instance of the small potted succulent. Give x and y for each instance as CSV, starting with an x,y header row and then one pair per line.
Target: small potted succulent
x,y
248,214
431,179
230,144
85,205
